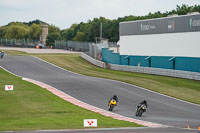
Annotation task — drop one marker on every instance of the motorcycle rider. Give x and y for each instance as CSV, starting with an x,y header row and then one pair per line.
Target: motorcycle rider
x,y
144,102
2,54
115,98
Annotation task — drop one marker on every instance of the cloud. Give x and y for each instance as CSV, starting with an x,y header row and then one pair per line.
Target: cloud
x,y
63,13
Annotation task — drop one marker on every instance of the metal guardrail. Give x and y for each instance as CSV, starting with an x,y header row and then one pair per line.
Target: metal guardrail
x,y
157,71
147,70
93,61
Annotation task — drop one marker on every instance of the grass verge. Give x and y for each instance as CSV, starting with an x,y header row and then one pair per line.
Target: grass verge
x,y
30,107
185,89
14,52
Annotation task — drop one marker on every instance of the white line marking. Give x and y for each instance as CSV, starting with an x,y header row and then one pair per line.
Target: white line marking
x,y
97,129
119,82
145,122
10,72
77,102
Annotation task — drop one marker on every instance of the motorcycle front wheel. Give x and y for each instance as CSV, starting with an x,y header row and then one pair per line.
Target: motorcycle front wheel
x,y
111,107
140,113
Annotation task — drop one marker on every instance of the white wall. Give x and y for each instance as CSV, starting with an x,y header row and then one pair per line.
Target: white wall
x,y
185,44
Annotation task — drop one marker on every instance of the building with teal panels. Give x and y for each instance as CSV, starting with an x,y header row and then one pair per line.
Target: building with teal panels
x,y
166,62
161,62
187,64
166,43
124,60
139,61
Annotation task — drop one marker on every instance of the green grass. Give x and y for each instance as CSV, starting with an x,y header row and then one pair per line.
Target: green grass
x,y
185,89
30,107
14,52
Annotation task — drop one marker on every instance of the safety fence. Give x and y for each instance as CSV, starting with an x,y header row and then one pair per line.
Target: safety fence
x,y
91,49
147,70
72,45
93,61
18,43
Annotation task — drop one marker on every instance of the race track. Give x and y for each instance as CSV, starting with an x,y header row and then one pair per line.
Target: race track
x,y
97,92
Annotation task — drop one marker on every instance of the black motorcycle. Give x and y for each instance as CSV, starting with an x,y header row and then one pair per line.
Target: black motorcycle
x,y
140,110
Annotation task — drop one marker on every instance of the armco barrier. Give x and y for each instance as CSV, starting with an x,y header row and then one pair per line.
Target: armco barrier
x,y
147,70
157,71
93,61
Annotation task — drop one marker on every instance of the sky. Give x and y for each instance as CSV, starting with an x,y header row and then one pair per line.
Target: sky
x,y
64,13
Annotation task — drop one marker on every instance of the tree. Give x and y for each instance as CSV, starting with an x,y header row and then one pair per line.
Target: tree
x,y
184,9
80,36
17,32
38,22
35,31
53,34
3,31
196,8
53,29
69,34
51,38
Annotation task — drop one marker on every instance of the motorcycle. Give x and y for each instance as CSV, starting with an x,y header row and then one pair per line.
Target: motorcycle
x,y
112,104
140,110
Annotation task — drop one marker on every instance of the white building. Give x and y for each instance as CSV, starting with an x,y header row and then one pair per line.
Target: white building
x,y
170,36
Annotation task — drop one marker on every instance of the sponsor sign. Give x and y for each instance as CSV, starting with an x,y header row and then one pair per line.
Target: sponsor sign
x,y
90,122
147,27
171,25
179,24
9,87
194,23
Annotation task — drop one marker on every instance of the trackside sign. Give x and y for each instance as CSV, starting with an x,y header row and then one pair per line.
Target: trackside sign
x,y
9,87
90,122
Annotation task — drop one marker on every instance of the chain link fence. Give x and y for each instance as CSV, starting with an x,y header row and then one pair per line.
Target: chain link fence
x,y
19,43
72,45
91,49
94,50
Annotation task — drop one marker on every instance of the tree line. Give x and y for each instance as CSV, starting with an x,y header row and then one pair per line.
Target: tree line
x,y
84,31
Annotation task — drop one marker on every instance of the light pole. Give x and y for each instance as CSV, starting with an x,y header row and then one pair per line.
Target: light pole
x,y
100,32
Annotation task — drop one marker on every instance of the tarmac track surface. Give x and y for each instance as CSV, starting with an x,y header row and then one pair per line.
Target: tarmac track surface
x,y
97,92
136,130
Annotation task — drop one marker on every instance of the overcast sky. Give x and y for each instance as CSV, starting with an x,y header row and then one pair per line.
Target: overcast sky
x,y
63,13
